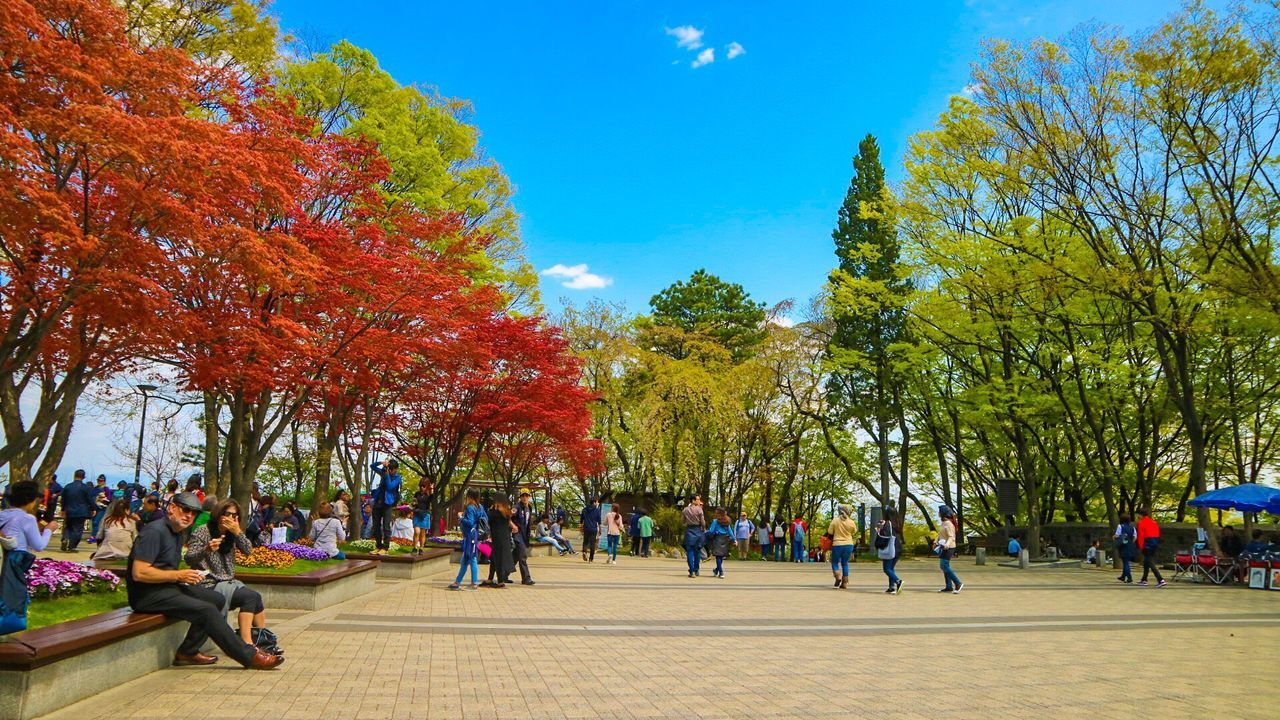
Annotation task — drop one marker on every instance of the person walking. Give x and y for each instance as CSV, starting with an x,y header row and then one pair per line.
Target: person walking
x,y
101,502
590,529
1149,542
779,538
421,516
842,529
522,519
470,521
500,531
613,533
695,523
78,506
765,535
719,540
633,529
888,546
798,531
945,547
645,524
385,499
1126,539
742,531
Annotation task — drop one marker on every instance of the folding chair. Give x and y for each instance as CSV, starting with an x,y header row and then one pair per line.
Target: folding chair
x,y
1216,570
1183,564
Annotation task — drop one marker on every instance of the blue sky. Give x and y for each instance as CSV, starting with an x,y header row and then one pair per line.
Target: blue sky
x,y
630,160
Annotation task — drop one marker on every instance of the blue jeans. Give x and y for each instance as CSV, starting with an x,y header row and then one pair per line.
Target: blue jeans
x,y
340,556
944,562
797,551
779,550
840,555
1126,572
613,546
468,561
693,548
97,520
888,566
720,565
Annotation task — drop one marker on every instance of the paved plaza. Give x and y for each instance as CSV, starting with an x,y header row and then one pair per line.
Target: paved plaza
x,y
640,639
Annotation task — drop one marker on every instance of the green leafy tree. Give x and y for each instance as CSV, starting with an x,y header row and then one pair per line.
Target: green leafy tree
x,y
869,292
704,308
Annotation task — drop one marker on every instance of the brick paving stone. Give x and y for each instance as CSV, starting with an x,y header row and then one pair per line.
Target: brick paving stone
x,y
641,640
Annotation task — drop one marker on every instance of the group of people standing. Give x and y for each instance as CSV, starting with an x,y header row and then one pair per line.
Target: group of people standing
x,y
508,531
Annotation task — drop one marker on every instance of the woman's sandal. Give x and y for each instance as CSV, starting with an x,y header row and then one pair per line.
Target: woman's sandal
x,y
455,586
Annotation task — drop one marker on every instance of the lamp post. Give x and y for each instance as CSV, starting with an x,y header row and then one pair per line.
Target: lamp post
x,y
142,428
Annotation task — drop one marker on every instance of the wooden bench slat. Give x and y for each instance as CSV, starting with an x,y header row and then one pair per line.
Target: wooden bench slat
x,y
33,648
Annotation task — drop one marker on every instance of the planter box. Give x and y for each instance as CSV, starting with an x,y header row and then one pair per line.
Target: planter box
x,y
314,589
55,666
408,567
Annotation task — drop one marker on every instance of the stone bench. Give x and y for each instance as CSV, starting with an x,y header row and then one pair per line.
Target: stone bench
x,y
52,667
408,567
314,589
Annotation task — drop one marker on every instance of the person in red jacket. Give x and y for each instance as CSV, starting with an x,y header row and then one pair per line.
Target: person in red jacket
x,y
1148,542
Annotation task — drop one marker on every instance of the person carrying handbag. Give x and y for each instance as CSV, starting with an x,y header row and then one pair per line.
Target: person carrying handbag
x,y
945,548
888,549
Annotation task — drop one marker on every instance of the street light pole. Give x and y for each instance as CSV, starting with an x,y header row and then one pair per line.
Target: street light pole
x,y
142,428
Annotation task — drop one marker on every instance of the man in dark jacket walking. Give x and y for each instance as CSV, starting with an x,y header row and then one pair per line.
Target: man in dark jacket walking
x,y
78,505
522,517
590,529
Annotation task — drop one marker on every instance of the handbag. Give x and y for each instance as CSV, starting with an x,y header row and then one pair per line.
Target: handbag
x,y
279,535
885,549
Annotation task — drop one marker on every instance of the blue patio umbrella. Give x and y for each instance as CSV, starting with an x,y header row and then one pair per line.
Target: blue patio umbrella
x,y
1249,497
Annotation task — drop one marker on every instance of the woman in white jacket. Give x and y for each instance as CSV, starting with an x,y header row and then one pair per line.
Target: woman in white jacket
x,y
945,546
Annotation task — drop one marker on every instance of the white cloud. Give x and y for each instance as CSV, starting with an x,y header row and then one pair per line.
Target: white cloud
x,y
706,57
687,36
576,277
735,49
971,89
783,321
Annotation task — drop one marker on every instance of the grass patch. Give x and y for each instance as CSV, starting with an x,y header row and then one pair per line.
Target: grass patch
x,y
51,611
395,549
297,568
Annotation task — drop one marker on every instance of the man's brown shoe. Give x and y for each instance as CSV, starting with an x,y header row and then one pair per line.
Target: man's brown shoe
x,y
264,661
197,659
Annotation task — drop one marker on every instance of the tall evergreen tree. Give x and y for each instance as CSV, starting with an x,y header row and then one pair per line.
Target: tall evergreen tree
x,y
868,294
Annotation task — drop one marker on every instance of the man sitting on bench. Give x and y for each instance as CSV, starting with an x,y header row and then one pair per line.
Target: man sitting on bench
x,y
156,585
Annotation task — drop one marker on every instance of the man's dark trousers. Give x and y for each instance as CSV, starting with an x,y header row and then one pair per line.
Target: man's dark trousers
x,y
382,526
202,608
521,554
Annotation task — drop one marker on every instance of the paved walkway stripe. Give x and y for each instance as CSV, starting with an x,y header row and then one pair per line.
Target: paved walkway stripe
x,y
550,628
792,622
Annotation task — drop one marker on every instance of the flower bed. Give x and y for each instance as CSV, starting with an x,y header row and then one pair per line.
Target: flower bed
x,y
265,557
452,540
59,578
47,611
301,552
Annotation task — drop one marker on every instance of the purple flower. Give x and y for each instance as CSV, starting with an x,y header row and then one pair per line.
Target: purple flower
x,y
53,578
302,552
